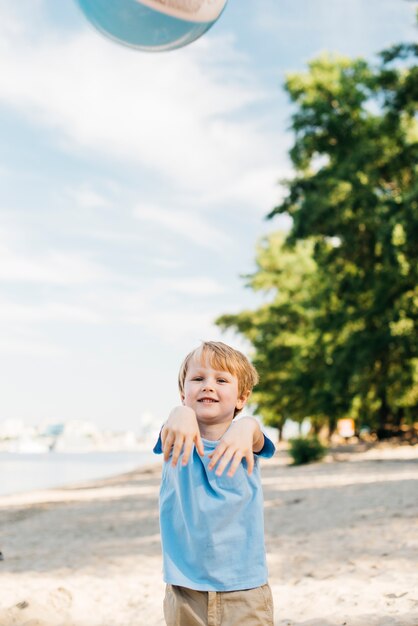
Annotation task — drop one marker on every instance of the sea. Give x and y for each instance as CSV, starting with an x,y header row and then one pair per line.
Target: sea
x,y
21,472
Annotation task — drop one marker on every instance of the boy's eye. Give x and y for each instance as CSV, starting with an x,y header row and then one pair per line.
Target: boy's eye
x,y
197,378
222,380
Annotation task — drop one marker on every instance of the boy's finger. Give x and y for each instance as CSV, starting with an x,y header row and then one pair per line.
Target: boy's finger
x,y
235,463
187,448
250,462
168,444
216,454
199,445
163,435
177,448
224,461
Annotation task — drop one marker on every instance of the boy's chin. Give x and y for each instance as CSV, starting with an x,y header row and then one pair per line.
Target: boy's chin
x,y
212,417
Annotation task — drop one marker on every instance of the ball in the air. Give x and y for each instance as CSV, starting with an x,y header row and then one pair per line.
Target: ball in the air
x,y
153,25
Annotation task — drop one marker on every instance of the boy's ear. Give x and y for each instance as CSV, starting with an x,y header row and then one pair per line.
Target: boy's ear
x,y
182,397
242,399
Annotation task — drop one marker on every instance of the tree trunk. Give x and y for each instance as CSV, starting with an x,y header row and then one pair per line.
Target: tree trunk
x,y
383,418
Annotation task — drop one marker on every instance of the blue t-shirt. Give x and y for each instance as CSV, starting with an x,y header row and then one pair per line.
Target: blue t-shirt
x,y
212,527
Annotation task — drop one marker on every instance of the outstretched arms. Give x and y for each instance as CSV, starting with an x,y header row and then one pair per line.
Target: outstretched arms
x,y
241,440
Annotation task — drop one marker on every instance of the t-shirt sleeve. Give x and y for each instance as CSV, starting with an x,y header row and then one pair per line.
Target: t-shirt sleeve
x,y
268,448
158,448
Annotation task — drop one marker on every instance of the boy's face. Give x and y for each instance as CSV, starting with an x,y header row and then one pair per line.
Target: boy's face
x,y
212,394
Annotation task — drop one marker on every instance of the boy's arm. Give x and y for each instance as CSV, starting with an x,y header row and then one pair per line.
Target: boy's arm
x,y
180,433
242,439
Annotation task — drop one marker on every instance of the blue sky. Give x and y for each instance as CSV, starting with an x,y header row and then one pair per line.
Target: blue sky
x,y
133,189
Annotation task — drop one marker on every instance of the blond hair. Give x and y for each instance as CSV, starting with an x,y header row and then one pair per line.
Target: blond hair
x,y
222,357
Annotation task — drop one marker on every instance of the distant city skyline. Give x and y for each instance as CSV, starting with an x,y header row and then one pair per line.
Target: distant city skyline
x,y
134,188
16,436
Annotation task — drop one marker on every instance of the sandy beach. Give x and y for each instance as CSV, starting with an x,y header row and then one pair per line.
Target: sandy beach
x,y
341,536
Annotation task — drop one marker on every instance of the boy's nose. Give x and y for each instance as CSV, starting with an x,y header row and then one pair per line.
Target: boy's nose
x,y
207,386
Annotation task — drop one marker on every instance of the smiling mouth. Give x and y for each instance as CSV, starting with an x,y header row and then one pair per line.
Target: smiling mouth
x,y
207,400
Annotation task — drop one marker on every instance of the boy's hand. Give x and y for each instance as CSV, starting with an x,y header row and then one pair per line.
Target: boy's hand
x,y
242,439
179,433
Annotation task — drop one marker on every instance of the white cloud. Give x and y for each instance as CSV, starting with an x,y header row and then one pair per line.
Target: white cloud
x,y
143,303
177,326
189,328
131,304
166,263
187,224
258,188
26,257
201,286
18,341
49,311
22,347
87,198
11,26
61,268
179,115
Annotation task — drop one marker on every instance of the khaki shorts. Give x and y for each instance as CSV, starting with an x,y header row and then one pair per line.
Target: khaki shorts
x,y
249,607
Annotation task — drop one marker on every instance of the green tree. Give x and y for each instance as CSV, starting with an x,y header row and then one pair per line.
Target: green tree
x,y
351,329
281,331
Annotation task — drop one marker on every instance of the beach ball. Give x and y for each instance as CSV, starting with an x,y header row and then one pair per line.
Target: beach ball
x,y
153,25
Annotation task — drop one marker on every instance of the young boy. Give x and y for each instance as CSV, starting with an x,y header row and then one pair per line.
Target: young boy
x,y
211,503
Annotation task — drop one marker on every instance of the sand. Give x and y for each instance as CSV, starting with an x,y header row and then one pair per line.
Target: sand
x,y
341,536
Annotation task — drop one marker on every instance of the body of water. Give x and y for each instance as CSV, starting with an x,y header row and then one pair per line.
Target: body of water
x,y
28,472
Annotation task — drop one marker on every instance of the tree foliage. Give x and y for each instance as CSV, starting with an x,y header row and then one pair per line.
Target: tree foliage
x,y
339,335
281,330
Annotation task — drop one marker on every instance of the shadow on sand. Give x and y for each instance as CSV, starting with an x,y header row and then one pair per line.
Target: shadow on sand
x,y
83,530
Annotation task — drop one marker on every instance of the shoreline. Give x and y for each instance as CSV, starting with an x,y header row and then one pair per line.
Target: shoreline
x,y
95,487
340,546
25,473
